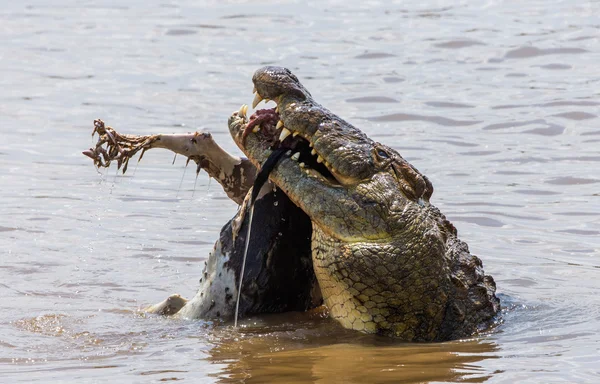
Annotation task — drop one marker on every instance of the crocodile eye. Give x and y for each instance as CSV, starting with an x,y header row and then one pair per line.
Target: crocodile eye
x,y
382,154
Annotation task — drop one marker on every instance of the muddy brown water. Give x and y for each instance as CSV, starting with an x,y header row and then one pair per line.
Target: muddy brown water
x,y
497,102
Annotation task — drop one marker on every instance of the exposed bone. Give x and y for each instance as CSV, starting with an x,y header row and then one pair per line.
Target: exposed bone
x,y
236,175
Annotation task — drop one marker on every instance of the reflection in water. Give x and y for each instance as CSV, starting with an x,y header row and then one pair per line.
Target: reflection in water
x,y
292,349
284,348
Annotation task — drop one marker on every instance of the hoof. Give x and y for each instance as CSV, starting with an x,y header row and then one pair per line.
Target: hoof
x,y
168,307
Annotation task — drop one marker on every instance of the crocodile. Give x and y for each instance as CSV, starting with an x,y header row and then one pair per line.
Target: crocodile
x,y
345,221
387,261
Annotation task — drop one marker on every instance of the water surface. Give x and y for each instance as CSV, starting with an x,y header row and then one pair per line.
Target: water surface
x,y
496,102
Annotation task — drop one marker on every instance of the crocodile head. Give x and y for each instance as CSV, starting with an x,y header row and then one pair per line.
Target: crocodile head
x,y
385,258
350,186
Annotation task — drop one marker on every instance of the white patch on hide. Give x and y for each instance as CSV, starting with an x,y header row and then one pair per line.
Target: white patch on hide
x,y
218,290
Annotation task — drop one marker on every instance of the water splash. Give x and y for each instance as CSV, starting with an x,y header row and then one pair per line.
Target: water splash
x,y
260,180
136,165
182,177
114,181
239,293
198,168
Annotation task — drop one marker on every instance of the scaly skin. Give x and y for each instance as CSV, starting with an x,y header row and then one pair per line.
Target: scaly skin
x,y
387,261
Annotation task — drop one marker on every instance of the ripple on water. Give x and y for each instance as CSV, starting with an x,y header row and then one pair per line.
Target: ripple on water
x,y
521,282
204,26
444,104
372,99
569,103
479,153
550,130
458,44
514,216
559,103
484,203
455,143
527,52
579,250
162,372
431,119
575,213
191,242
479,220
153,249
522,160
148,199
374,55
393,79
180,32
515,74
554,66
512,124
538,192
63,77
570,180
546,129
576,115
510,172
584,232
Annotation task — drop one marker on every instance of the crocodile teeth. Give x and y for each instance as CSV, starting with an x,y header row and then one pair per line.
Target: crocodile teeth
x,y
257,99
277,108
279,124
295,156
302,165
254,90
284,133
294,134
256,129
313,152
319,159
310,144
243,110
